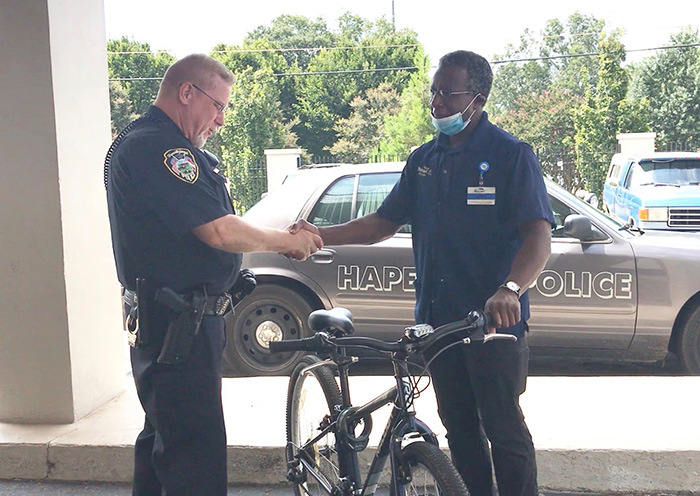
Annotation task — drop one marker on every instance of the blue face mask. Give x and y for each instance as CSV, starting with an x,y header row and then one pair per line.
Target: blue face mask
x,y
454,123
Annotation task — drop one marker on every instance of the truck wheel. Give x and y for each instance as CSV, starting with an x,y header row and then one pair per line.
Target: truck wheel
x,y
270,313
689,347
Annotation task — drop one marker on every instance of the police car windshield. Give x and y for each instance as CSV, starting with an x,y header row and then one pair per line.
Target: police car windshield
x,y
583,207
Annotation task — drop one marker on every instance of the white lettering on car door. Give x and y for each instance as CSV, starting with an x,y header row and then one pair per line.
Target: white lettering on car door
x,y
387,279
550,284
605,285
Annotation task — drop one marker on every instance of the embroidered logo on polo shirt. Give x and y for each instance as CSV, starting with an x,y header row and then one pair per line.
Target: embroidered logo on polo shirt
x,y
424,171
182,164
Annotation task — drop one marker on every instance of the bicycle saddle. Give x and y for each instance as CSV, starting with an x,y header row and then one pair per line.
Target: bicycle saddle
x,y
338,319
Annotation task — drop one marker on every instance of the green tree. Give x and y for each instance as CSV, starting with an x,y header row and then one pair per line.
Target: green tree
x,y
411,126
259,53
670,82
598,120
365,49
320,72
120,107
138,70
360,134
298,36
554,61
253,124
584,34
546,122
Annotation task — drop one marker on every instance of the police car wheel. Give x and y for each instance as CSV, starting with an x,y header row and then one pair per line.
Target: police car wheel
x,y
270,313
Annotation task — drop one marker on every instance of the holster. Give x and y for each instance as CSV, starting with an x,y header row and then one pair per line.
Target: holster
x,y
183,327
136,309
244,285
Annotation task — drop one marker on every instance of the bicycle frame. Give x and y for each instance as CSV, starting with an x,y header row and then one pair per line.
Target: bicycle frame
x,y
402,422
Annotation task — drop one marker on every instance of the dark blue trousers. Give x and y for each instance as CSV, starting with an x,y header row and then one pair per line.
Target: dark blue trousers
x,y
182,448
478,389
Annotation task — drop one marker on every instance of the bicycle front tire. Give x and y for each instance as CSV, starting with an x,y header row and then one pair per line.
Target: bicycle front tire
x,y
432,473
311,399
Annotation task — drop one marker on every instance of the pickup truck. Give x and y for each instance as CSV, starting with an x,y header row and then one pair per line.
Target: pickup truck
x,y
655,190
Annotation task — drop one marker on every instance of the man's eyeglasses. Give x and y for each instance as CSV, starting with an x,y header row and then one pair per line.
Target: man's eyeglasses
x,y
445,95
219,106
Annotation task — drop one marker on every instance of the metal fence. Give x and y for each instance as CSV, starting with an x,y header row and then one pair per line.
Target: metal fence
x,y
370,159
247,184
685,146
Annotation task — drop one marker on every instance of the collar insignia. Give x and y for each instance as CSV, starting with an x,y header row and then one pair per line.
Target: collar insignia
x,y
181,163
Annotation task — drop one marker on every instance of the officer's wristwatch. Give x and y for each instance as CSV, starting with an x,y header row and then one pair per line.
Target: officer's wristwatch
x,y
511,286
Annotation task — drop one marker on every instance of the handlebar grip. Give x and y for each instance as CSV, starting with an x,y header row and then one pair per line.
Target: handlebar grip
x,y
494,337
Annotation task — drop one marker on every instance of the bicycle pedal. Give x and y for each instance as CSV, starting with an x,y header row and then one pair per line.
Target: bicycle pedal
x,y
296,476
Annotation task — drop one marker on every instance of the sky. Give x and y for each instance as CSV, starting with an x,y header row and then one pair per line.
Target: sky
x,y
182,27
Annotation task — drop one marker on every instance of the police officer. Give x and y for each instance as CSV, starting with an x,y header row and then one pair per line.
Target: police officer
x,y
481,221
175,231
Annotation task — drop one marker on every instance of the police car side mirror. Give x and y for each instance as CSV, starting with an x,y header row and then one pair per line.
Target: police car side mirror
x,y
580,227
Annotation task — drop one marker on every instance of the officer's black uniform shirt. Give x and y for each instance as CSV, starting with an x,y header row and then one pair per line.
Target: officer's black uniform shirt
x,y
464,243
161,187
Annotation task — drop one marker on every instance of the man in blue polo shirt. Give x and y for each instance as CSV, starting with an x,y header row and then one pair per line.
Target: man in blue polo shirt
x,y
481,221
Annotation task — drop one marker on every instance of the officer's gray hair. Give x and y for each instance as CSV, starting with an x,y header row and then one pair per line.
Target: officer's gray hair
x,y
197,68
479,74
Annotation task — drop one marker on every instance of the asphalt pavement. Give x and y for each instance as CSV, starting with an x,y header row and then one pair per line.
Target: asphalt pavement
x,y
44,488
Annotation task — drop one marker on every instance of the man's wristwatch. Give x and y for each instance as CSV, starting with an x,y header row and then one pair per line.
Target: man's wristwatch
x,y
511,286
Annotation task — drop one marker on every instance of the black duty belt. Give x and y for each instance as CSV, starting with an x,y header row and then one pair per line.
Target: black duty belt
x,y
215,305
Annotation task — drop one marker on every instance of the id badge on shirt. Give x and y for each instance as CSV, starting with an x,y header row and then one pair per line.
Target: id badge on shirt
x,y
481,195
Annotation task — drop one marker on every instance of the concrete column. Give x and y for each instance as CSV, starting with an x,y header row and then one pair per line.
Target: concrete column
x,y
280,163
61,344
631,143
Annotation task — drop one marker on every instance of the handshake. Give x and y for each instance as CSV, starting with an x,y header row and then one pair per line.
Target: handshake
x,y
304,240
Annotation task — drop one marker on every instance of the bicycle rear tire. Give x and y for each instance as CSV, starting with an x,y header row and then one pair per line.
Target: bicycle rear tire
x,y
432,472
311,397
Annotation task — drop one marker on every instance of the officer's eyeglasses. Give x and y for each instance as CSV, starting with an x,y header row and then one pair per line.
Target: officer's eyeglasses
x,y
446,95
219,106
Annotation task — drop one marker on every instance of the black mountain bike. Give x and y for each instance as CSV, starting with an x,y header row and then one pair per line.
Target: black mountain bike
x,y
325,432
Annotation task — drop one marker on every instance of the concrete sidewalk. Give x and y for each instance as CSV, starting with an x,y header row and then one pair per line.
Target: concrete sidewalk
x,y
597,434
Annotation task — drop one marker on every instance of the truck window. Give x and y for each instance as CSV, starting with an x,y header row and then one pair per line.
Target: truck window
x,y
673,171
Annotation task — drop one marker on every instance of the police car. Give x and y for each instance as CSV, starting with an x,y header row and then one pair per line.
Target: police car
x,y
608,291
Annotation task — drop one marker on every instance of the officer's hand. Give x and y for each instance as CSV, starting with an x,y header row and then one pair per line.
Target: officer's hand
x,y
304,243
504,308
301,224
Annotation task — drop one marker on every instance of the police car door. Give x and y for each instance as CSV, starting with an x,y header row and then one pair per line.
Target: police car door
x,y
586,297
374,282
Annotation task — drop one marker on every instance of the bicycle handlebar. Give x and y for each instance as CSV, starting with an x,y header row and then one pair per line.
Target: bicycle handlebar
x,y
416,338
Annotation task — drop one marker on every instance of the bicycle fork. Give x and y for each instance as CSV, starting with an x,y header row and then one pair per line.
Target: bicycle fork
x,y
402,424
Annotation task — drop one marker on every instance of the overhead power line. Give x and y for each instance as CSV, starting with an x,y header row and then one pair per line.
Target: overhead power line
x,y
284,74
261,50
591,54
414,68
355,71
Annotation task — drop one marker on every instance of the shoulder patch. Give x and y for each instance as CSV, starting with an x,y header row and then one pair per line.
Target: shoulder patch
x,y
182,164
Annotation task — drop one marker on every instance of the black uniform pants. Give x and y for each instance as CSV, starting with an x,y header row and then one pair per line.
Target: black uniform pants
x,y
478,389
182,448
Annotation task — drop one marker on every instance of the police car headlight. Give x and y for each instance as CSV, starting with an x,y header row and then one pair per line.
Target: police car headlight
x,y
655,214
